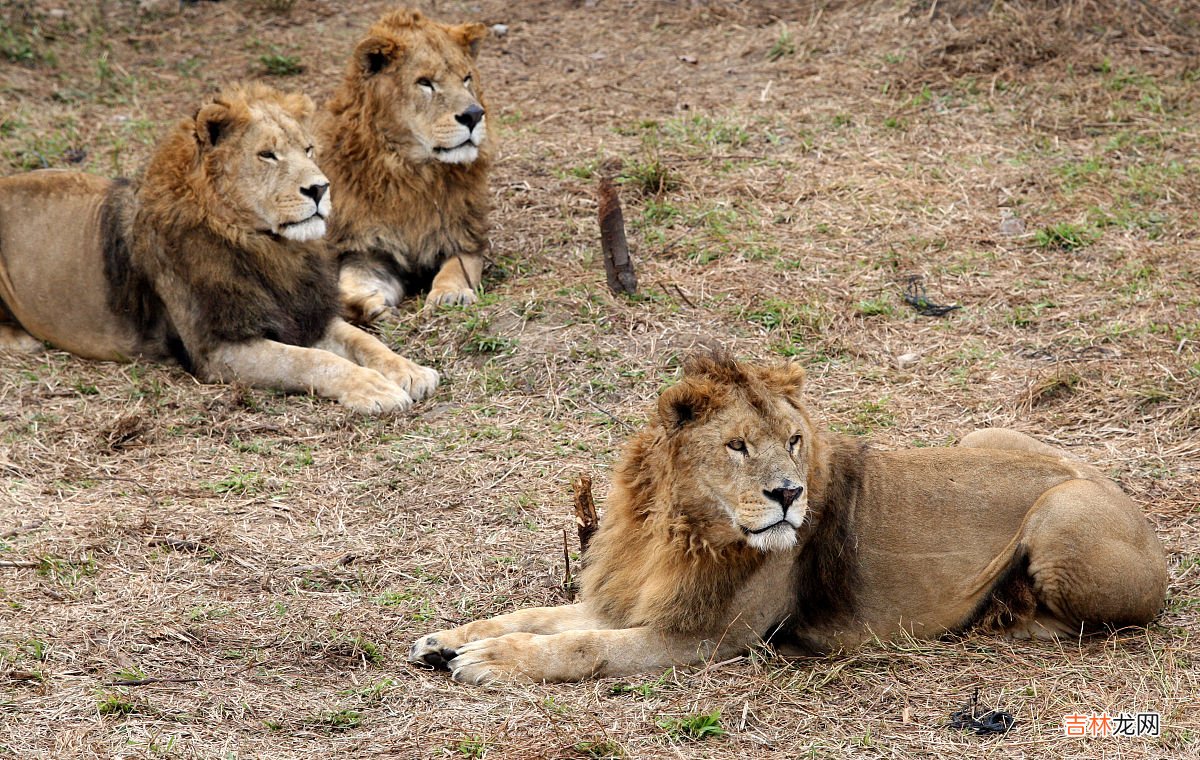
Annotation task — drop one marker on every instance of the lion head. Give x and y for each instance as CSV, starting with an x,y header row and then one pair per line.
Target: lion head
x,y
254,162
739,442
416,82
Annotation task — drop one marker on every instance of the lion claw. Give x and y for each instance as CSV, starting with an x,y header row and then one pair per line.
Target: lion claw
x,y
457,297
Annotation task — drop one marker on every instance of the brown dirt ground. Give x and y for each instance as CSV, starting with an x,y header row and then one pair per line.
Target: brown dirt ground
x,y
270,558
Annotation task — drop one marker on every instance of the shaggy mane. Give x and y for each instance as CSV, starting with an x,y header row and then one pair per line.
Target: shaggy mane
x,y
659,558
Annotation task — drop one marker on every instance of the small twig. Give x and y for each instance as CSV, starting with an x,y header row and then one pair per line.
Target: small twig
x,y
683,295
145,681
19,563
567,580
24,528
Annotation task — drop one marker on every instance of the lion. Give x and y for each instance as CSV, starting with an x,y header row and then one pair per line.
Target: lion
x,y
407,145
213,256
734,520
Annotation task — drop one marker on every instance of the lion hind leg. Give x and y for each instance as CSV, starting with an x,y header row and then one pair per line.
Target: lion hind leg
x,y
1093,558
1004,438
13,338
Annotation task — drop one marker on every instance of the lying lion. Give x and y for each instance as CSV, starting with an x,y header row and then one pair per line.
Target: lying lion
x,y
734,520
212,257
406,144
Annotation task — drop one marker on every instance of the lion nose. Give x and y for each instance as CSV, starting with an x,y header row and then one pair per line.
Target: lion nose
x,y
470,117
316,192
785,496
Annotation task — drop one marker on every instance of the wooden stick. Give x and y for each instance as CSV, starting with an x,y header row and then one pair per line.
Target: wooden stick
x,y
146,681
24,528
586,519
617,264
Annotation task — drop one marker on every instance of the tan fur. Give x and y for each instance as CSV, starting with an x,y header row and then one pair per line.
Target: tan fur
x,y
213,256
411,206
696,557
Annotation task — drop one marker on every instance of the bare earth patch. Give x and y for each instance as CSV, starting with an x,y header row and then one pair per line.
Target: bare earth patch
x,y
214,571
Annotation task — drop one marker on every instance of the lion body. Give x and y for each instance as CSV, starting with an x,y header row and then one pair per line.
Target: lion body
x,y
734,520
62,216
212,256
410,163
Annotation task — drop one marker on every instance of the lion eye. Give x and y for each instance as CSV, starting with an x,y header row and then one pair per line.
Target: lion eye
x,y
309,151
794,441
467,80
425,82
268,155
738,445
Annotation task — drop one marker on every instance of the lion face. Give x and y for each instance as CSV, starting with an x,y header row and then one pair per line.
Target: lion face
x,y
421,79
744,447
258,154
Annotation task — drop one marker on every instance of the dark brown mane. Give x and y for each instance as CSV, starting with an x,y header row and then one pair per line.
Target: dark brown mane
x,y
131,295
827,576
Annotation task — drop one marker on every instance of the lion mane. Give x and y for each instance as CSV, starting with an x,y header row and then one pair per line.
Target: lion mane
x,y
408,146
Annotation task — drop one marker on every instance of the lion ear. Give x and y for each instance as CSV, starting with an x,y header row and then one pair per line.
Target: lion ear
x,y
469,37
299,105
212,123
374,54
785,378
683,403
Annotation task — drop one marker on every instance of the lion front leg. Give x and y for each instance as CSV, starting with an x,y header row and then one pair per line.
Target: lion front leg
x,y
365,349
439,648
456,281
577,655
270,364
567,643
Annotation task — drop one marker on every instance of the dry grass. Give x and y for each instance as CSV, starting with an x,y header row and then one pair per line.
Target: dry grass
x,y
788,167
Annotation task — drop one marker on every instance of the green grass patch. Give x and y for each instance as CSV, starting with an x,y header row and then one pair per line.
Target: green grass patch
x,y
113,703
1064,236
695,727
335,720
784,45
279,65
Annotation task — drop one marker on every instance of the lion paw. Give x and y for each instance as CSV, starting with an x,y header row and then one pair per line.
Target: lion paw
x,y
418,381
450,296
428,650
499,659
372,393
366,309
